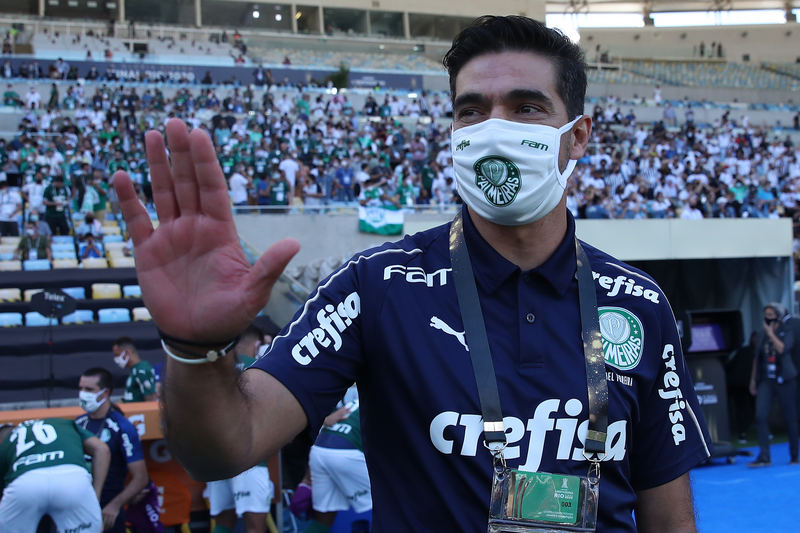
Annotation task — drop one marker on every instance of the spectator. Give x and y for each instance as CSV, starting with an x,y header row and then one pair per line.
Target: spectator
x,y
32,245
345,179
89,248
33,100
140,385
10,210
89,226
104,419
238,184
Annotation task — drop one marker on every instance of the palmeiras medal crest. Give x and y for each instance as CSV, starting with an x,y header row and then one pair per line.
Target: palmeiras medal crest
x,y
499,179
623,337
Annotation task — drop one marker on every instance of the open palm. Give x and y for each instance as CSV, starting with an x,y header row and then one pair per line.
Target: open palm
x,y
195,279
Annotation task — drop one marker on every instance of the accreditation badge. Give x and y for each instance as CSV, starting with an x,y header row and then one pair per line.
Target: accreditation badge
x,y
543,502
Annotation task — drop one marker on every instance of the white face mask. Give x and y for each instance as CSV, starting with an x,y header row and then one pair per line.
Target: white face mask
x,y
89,401
507,172
122,359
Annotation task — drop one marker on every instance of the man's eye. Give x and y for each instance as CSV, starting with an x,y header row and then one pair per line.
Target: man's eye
x,y
527,109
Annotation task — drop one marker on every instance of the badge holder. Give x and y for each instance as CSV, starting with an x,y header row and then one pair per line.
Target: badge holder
x,y
539,502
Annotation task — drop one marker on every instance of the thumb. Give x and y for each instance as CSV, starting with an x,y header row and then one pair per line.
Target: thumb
x,y
268,268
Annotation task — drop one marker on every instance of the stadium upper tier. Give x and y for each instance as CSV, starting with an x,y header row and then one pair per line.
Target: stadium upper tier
x,y
159,50
354,60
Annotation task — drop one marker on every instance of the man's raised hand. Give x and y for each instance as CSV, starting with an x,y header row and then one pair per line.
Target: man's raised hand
x,y
195,279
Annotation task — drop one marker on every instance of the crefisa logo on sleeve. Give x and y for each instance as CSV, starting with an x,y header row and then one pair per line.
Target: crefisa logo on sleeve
x,y
623,337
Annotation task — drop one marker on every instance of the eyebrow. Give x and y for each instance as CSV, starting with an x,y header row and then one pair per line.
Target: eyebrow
x,y
515,95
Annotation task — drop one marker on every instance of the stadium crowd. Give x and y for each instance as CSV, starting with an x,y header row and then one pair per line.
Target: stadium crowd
x,y
298,147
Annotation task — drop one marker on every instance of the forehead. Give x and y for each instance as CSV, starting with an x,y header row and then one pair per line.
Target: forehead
x,y
89,382
498,73
770,311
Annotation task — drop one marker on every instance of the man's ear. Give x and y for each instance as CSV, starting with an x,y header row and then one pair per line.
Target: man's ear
x,y
581,133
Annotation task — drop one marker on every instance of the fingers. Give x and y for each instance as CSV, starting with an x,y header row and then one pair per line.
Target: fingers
x,y
136,216
214,199
161,177
183,173
268,269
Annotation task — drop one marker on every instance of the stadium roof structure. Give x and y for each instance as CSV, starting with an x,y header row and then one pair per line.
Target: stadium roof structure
x,y
663,6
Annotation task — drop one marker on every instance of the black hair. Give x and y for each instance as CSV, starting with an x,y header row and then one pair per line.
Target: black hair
x,y
492,35
125,342
104,378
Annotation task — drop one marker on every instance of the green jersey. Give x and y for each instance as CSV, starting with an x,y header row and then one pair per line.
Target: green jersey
x,y
279,193
11,98
428,175
51,194
348,428
141,382
115,165
408,195
102,193
41,444
226,162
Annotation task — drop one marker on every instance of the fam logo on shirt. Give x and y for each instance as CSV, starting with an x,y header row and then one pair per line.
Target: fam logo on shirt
x,y
623,337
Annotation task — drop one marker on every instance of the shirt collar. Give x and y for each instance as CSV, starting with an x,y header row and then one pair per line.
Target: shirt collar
x,y
492,269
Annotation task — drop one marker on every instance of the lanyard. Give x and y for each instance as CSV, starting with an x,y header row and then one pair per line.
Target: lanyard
x,y
475,329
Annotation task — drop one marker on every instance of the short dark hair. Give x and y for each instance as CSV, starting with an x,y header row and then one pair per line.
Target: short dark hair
x,y
125,342
5,431
492,35
104,378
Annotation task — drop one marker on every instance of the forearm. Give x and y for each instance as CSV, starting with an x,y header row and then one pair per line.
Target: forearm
x,y
136,485
776,342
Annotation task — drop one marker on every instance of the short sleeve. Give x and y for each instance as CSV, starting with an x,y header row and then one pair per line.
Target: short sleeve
x,y
131,443
146,379
671,435
319,354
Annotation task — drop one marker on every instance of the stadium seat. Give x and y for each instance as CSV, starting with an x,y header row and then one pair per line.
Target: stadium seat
x,y
79,293
122,262
81,316
63,254
36,319
141,314
61,239
112,230
30,292
10,241
106,291
10,295
132,291
94,262
113,315
6,256
112,238
69,246
65,263
9,266
8,320
114,247
8,249
36,264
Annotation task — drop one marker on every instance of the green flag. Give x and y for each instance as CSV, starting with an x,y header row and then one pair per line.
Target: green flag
x,y
380,220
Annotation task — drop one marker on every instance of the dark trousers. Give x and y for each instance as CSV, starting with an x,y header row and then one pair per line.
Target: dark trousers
x,y
58,225
9,229
767,390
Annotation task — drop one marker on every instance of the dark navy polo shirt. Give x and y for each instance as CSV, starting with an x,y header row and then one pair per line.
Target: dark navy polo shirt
x,y
125,445
389,320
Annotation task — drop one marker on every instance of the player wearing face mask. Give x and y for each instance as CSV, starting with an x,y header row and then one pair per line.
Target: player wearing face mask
x,y
141,383
104,420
